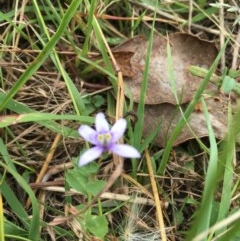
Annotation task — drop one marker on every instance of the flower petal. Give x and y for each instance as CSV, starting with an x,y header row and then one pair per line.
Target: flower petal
x,y
125,151
101,123
88,133
118,129
90,155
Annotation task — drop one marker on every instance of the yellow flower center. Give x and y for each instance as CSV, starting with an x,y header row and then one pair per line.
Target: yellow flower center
x,y
104,138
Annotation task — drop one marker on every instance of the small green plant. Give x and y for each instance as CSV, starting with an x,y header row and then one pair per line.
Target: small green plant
x,y
227,82
85,182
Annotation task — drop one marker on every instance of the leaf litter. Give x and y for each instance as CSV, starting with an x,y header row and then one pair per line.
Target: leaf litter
x,y
160,102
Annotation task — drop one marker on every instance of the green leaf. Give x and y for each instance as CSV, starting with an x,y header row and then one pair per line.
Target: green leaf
x,y
228,84
98,100
179,218
95,186
77,181
87,170
37,116
97,225
82,179
11,228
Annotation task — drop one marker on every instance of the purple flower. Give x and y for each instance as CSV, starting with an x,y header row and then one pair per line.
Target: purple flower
x,y
105,139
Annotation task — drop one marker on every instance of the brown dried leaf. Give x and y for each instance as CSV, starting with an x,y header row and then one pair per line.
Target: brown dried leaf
x,y
170,115
186,50
160,102
124,62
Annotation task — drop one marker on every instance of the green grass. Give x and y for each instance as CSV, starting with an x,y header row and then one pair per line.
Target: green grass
x,y
56,73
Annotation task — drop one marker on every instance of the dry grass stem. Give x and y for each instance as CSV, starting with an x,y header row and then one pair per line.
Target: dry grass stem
x,y
156,198
46,163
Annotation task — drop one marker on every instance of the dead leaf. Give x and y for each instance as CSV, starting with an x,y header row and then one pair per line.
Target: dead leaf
x,y
160,103
186,50
170,115
124,62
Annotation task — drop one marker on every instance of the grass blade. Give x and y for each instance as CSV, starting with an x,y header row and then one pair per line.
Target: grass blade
x,y
203,216
1,219
187,113
226,160
73,91
15,119
9,166
43,54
